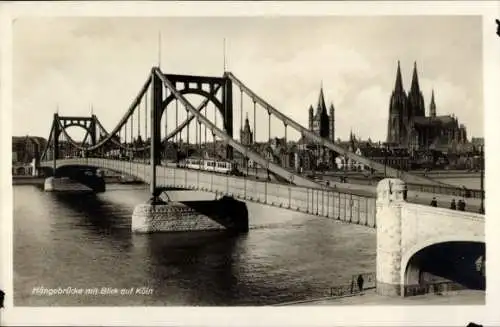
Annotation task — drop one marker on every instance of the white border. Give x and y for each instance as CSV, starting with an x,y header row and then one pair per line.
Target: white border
x,y
252,316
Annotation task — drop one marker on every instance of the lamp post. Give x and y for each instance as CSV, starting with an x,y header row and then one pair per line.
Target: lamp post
x,y
481,166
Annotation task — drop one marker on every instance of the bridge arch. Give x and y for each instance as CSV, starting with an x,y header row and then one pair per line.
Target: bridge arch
x,y
444,256
82,125
207,95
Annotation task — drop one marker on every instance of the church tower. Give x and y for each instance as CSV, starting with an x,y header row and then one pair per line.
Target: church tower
x,y
324,121
415,97
332,123
311,115
246,135
432,106
397,111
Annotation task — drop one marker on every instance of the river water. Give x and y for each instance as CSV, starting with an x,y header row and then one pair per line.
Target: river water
x,y
84,244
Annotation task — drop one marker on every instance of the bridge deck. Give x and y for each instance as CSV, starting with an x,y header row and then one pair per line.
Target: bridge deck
x,y
324,201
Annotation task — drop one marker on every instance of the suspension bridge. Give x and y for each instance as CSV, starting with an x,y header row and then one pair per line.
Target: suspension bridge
x,y
155,160
153,100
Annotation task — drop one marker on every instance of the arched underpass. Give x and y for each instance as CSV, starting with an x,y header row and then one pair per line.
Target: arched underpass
x,y
459,263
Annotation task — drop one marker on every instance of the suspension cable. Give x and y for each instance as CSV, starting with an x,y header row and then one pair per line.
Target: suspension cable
x,y
254,123
139,118
166,131
199,138
126,138
177,118
147,117
269,126
132,131
241,109
213,134
206,114
187,132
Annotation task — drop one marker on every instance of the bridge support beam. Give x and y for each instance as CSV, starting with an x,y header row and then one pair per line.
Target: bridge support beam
x,y
391,196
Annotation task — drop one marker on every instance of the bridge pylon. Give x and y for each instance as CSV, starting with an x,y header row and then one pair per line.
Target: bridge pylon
x,y
227,94
155,119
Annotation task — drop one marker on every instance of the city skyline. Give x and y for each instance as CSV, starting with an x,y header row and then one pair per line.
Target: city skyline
x,y
353,58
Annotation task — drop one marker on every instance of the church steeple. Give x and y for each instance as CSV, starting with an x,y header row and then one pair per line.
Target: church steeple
x,y
321,101
247,123
398,110
432,107
415,97
415,87
399,81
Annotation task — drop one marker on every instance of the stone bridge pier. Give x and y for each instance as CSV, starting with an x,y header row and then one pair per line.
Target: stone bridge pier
x,y
420,245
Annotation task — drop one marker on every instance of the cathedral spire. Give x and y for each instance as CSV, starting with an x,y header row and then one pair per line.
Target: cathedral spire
x,y
399,80
432,108
414,80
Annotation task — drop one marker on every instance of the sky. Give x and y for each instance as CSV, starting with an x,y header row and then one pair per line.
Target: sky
x,y
71,63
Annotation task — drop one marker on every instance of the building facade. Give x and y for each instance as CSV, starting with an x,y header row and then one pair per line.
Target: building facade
x,y
409,126
25,148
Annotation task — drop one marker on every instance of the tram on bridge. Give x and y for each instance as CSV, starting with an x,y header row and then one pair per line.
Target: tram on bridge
x,y
217,166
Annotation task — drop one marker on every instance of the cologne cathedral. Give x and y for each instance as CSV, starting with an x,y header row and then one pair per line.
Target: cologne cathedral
x,y
410,127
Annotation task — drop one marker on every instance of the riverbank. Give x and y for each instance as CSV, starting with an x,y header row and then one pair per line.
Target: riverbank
x,y
370,297
27,180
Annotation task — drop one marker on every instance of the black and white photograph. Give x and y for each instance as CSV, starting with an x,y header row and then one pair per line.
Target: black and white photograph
x,y
327,158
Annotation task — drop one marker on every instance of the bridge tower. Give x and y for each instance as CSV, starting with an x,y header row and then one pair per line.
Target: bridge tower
x,y
155,120
55,142
93,129
227,98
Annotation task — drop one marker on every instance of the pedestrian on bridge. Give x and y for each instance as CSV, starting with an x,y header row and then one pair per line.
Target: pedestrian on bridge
x,y
461,205
434,202
360,282
453,205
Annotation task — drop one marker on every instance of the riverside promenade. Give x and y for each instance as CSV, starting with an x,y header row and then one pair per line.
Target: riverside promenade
x,y
370,190
369,297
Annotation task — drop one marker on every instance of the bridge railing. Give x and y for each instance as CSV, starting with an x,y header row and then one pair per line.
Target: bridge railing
x,y
325,202
446,190
368,282
433,288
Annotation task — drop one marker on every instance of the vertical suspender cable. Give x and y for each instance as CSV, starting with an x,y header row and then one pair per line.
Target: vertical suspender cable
x,y
255,131
177,118
241,110
213,133
254,123
187,133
